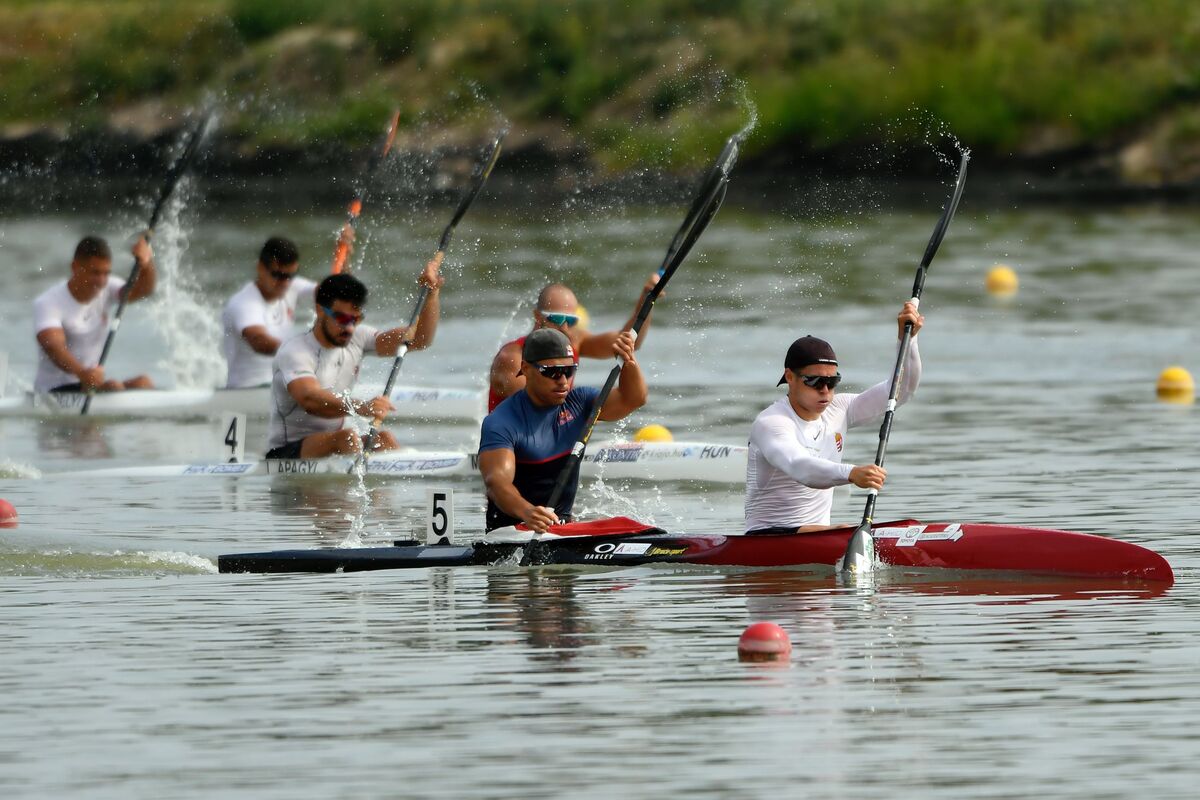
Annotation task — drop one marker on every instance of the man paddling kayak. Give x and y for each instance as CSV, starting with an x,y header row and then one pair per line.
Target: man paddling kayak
x,y
526,440
314,373
259,317
795,454
70,319
557,309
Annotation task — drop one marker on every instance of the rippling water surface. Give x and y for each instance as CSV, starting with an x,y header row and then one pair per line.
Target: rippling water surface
x,y
130,668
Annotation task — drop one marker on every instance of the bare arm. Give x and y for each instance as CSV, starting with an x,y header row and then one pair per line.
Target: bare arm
x,y
506,379
321,402
388,343
498,468
147,277
53,342
599,345
259,340
630,392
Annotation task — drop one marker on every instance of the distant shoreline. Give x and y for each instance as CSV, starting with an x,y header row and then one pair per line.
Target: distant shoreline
x,y
41,171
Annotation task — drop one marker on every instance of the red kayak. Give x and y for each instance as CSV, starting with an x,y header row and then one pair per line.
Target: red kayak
x,y
625,542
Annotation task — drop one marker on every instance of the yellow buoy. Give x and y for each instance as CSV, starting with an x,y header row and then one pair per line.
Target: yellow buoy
x,y
584,319
1175,385
1002,281
653,433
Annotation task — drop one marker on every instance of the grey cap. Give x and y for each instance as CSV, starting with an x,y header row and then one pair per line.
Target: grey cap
x,y
546,343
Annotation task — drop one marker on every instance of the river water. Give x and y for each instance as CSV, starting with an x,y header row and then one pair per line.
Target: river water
x,y
131,669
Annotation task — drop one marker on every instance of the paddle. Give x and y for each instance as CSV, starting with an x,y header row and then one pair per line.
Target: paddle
x,y
342,251
860,550
190,148
478,179
704,207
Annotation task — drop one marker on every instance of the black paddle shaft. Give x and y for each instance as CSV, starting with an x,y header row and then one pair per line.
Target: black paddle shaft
x,y
703,209
479,178
939,232
172,178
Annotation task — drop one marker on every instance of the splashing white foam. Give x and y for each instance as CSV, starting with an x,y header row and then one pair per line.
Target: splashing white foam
x,y
190,327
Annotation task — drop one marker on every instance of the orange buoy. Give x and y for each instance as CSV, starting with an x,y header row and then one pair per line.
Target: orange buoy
x,y
8,514
764,641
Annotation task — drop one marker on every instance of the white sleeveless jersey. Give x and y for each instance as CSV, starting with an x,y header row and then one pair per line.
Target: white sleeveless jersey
x,y
793,464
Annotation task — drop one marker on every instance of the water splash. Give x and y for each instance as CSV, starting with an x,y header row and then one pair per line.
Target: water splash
x,y
190,326
358,491
15,470
68,562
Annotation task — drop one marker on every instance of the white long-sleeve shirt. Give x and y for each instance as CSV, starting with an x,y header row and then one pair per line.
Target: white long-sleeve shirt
x,y
793,464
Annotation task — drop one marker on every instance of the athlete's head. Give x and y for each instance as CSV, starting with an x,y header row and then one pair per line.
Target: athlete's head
x,y
810,371
556,308
91,267
340,299
278,263
548,364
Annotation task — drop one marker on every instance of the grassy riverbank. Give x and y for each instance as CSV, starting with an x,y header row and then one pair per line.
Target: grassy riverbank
x,y
658,81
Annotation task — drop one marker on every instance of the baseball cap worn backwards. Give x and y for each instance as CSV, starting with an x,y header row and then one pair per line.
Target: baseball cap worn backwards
x,y
807,350
546,343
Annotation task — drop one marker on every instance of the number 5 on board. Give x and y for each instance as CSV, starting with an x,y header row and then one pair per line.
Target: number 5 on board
x,y
234,428
439,516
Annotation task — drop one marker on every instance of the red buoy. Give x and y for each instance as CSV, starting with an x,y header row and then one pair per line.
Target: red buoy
x,y
8,514
764,641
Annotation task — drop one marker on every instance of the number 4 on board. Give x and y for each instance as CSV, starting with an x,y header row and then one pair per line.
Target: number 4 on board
x,y
234,428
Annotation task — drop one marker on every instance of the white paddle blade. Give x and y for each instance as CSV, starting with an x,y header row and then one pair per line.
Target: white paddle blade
x,y
859,558
439,516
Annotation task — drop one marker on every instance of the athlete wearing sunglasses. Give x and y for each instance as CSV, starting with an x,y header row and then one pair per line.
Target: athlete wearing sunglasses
x,y
262,314
556,309
796,444
526,440
314,374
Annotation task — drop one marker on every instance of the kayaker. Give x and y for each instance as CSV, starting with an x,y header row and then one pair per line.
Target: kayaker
x,y
526,440
558,309
70,319
313,374
796,443
261,315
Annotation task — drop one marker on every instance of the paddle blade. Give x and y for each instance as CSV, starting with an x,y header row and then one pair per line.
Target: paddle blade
x,y
939,232
859,557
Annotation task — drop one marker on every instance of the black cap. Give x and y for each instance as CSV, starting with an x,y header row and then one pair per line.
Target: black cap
x,y
807,350
546,343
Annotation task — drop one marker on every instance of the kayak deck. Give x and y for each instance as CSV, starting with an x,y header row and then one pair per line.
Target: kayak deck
x,y
906,543
657,461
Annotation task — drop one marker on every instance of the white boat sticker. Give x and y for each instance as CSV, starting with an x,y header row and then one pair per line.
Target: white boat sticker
x,y
631,548
908,536
219,469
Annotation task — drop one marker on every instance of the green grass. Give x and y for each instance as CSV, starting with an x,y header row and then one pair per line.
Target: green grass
x,y
639,82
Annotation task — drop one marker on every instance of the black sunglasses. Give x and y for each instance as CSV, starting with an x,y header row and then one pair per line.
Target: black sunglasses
x,y
279,275
556,372
817,381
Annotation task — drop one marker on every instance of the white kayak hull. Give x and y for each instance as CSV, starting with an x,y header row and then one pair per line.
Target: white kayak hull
x,y
651,461
412,403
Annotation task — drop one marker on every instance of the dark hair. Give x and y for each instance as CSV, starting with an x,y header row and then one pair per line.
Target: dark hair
x,y
341,287
278,252
92,247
